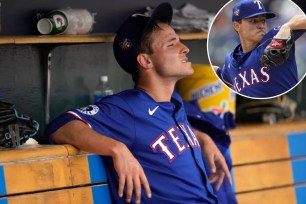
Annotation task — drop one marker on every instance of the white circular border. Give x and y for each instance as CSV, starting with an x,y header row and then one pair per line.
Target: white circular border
x,y
208,54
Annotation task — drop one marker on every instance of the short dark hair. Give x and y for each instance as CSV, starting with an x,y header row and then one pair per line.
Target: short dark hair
x,y
145,46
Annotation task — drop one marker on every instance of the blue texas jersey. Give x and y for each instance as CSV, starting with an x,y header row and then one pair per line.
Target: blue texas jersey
x,y
243,72
159,136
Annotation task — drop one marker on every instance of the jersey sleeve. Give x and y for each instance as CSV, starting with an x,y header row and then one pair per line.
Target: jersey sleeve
x,y
268,37
224,73
298,33
111,117
224,77
56,124
219,72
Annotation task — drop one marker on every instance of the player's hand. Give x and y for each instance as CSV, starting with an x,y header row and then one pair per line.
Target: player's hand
x,y
130,173
218,167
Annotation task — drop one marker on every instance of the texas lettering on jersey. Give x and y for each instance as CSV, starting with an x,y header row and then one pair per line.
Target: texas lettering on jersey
x,y
250,77
243,72
173,141
160,138
161,143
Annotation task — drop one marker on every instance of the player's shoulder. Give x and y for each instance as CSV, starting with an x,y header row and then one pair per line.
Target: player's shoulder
x,y
177,97
128,98
132,95
122,98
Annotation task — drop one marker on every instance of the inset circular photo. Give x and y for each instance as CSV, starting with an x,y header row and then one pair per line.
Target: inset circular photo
x,y
257,48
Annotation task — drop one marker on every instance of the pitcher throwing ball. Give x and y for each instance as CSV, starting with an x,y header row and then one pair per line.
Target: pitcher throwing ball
x,y
264,64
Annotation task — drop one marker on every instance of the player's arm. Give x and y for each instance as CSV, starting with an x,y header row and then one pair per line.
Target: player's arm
x,y
129,170
278,51
295,23
218,167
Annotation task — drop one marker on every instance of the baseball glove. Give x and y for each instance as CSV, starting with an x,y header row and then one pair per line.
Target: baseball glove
x,y
277,52
15,128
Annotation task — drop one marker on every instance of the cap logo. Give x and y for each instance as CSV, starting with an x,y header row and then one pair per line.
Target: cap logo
x,y
258,3
237,12
125,44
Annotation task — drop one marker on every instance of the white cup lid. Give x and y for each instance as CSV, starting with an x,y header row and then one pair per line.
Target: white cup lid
x,y
44,26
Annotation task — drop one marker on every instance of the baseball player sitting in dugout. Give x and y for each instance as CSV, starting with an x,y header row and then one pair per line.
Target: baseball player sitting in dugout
x,y
153,154
264,64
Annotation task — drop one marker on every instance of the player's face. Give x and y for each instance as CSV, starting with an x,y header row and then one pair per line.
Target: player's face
x,y
169,54
253,29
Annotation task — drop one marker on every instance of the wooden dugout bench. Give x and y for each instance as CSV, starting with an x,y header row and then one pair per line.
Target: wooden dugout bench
x,y
269,163
52,174
269,166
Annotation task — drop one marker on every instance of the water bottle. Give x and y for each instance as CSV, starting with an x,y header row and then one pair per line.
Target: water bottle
x,y
102,89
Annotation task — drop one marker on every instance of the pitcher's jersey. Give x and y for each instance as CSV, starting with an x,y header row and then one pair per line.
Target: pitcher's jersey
x,y
159,136
244,74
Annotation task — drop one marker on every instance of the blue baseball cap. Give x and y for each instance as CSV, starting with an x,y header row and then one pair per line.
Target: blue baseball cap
x,y
248,9
129,35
